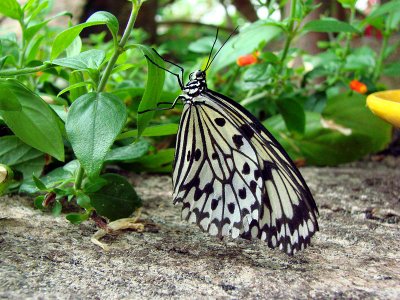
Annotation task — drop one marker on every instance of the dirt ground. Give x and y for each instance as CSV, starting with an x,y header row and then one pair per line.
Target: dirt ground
x,y
355,254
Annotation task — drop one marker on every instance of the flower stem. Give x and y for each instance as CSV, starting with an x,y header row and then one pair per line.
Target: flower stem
x,y
378,67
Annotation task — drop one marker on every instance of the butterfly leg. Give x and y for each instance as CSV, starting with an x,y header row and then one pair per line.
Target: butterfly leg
x,y
166,70
163,108
170,62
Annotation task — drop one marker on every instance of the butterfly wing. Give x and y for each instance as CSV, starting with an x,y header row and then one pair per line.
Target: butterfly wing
x,y
234,178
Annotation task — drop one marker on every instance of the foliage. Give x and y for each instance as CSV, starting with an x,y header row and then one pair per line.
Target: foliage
x,y
70,107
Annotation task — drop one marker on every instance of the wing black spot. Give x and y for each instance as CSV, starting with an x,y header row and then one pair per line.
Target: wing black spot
x,y
231,207
214,204
242,193
246,169
208,188
188,156
238,140
253,186
257,174
197,194
247,130
220,121
197,154
214,156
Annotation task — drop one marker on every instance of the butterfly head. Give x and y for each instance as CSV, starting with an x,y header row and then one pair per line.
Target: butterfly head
x,y
197,83
197,75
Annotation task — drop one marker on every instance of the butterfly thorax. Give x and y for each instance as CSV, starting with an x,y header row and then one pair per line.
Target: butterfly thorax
x,y
196,85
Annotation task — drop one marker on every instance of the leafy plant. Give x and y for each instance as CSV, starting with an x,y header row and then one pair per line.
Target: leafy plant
x,y
68,108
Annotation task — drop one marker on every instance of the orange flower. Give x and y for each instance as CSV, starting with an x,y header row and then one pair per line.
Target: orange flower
x,y
358,86
38,74
246,60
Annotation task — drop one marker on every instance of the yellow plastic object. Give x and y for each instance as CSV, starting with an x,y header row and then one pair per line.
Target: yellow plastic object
x,y
386,105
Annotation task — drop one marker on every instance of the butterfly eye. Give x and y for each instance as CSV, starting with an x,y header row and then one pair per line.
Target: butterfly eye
x,y
199,74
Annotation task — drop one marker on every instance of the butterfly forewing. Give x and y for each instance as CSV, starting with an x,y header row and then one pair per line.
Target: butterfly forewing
x,y
233,177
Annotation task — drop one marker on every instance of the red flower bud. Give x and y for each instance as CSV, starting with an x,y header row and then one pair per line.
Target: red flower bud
x,y
358,86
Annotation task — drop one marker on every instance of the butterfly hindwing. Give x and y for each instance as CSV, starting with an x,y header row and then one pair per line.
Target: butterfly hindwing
x,y
233,177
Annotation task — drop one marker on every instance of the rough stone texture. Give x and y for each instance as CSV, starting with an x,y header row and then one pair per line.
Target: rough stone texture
x,y
355,254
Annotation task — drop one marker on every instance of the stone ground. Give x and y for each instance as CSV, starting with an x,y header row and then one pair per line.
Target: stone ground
x,y
355,254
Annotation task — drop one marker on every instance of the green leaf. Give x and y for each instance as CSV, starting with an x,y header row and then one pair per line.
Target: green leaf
x,y
66,37
246,42
74,86
381,10
329,25
156,130
36,124
117,199
128,153
39,184
154,85
203,45
57,208
11,9
160,162
83,201
94,121
55,177
30,32
92,185
8,100
20,156
91,59
77,218
293,114
38,202
75,78
392,69
352,112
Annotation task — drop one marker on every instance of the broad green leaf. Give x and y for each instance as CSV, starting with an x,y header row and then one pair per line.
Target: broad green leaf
x,y
248,39
156,130
32,30
293,114
36,124
115,200
74,48
154,85
8,100
83,201
90,59
383,9
203,45
160,162
66,37
352,112
57,208
128,153
348,3
94,121
329,25
11,9
318,146
21,157
75,218
92,185
392,69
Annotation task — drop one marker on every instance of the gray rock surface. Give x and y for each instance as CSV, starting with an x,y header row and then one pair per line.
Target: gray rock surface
x,y
355,254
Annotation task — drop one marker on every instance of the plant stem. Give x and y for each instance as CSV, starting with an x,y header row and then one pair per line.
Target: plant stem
x,y
14,72
110,65
120,47
290,35
79,178
378,68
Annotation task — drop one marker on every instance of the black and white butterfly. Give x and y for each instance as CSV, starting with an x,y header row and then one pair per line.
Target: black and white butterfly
x,y
232,176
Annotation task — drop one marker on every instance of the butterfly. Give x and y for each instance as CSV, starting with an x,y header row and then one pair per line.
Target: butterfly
x,y
231,175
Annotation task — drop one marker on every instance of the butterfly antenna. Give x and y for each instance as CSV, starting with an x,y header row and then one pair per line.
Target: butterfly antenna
x,y
209,64
212,48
